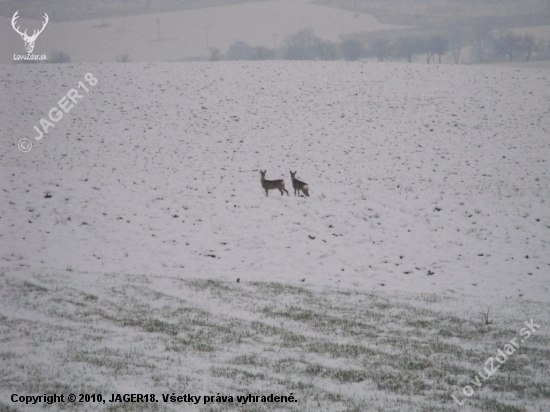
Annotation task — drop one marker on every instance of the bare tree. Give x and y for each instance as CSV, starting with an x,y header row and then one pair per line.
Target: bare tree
x,y
408,47
263,53
543,49
301,45
352,49
481,36
215,54
438,44
305,45
379,47
499,47
529,45
457,41
425,47
511,44
239,50
325,50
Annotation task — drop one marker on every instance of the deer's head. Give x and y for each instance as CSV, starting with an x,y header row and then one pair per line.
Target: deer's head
x,y
29,40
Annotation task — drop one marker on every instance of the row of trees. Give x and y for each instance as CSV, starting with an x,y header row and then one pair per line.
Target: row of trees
x,y
304,45
242,51
507,46
484,45
409,47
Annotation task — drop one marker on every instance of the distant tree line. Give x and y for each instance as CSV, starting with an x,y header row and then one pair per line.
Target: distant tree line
x,y
485,45
242,51
303,45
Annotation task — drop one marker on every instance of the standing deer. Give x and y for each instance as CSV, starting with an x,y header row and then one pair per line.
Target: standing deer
x,y
273,184
29,40
297,185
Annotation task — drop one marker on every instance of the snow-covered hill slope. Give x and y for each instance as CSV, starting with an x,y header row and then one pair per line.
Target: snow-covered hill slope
x,y
423,178
333,349
123,230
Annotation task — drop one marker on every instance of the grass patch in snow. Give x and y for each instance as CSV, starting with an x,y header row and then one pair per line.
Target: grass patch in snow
x,y
340,350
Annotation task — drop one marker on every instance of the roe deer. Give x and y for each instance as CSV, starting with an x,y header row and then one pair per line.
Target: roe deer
x,y
273,184
297,185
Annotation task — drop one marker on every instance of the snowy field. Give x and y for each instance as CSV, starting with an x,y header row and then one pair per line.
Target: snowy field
x,y
124,230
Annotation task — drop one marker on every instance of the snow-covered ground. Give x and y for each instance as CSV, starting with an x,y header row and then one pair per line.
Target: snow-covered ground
x,y
142,206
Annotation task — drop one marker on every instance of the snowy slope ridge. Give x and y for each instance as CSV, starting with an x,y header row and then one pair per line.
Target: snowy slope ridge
x,y
412,169
334,349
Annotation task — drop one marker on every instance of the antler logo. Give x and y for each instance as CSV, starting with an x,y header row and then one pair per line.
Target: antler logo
x,y
29,40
